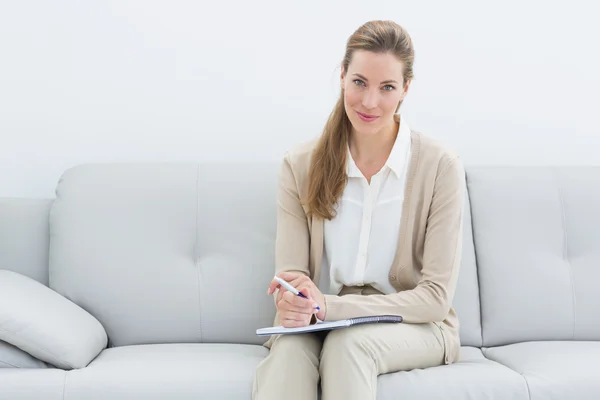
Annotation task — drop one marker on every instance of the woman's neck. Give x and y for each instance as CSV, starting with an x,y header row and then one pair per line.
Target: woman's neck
x,y
373,150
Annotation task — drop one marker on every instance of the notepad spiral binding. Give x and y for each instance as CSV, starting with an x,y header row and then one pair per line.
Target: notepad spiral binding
x,y
375,319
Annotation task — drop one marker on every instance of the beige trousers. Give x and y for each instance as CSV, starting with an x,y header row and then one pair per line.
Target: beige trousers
x,y
346,362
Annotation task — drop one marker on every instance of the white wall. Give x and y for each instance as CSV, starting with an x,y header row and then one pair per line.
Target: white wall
x,y
512,83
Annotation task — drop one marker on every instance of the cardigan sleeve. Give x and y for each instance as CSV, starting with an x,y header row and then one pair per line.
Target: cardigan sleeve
x,y
292,239
292,242
431,299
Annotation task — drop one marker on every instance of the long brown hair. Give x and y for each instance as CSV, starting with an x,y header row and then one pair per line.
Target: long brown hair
x,y
327,175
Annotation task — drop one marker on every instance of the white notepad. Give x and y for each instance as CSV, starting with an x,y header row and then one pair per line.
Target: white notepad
x,y
328,325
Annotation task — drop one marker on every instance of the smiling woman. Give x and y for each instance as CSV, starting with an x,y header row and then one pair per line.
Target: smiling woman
x,y
369,223
374,97
376,73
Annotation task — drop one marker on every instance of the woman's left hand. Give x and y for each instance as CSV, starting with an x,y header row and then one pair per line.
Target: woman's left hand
x,y
300,281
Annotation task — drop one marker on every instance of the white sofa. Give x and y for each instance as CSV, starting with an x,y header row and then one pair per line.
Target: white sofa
x,y
148,281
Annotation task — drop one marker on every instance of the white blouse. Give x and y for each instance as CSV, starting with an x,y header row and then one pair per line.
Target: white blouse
x,y
361,241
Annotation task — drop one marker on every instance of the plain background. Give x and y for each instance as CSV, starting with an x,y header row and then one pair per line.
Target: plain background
x,y
515,82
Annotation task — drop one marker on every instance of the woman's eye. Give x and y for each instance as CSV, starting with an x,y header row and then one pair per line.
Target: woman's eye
x,y
359,82
388,87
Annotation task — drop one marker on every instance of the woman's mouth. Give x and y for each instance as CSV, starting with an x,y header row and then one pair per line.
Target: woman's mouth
x,y
367,117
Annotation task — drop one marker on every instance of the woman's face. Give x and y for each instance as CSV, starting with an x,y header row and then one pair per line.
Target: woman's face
x,y
373,88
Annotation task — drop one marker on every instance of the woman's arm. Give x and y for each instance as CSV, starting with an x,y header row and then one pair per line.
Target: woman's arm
x,y
292,243
431,299
292,251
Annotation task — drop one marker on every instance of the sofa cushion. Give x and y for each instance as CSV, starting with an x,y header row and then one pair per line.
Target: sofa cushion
x,y
122,247
32,384
554,370
236,242
466,296
537,252
13,357
166,371
24,236
473,377
164,253
44,324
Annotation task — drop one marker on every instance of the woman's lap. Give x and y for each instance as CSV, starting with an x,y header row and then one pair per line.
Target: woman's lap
x,y
393,347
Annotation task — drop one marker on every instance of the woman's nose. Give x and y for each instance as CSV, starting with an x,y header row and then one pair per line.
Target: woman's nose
x,y
370,99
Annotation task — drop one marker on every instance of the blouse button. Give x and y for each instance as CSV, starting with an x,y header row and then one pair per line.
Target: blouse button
x,y
393,277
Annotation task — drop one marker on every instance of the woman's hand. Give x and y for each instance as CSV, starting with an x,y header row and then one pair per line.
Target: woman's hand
x,y
295,310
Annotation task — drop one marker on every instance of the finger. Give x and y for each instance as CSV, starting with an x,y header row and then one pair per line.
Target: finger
x,y
299,280
284,307
279,296
274,285
294,322
305,291
298,302
311,292
279,288
293,316
290,276
286,276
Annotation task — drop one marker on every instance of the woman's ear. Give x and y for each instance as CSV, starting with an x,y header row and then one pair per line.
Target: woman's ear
x,y
405,90
403,95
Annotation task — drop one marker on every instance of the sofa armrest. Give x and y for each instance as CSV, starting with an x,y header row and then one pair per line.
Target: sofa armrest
x,y
13,357
46,325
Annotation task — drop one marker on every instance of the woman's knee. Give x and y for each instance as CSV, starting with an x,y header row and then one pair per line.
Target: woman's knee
x,y
299,353
293,346
292,365
344,345
347,365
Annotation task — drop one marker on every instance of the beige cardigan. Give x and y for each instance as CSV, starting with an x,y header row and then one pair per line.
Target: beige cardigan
x,y
425,268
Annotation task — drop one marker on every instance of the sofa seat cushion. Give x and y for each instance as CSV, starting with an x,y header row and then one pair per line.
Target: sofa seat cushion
x,y
473,377
32,383
168,371
554,370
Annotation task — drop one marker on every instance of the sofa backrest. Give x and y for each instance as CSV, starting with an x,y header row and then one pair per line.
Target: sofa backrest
x,y
182,252
538,252
24,236
165,252
466,298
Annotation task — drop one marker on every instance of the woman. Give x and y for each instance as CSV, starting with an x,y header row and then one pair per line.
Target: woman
x,y
369,223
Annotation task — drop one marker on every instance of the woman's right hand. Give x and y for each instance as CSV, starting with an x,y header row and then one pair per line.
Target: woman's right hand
x,y
294,311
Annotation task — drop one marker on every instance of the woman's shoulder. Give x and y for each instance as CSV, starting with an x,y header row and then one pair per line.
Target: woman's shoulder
x,y
302,152
435,153
298,158
295,167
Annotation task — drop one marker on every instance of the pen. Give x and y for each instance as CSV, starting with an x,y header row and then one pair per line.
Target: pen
x,y
292,289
